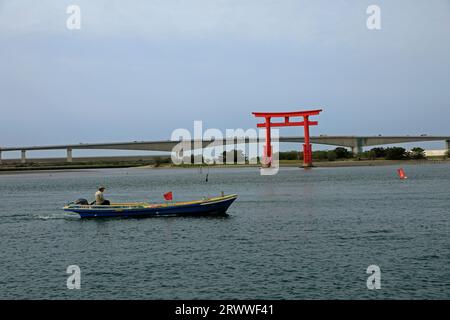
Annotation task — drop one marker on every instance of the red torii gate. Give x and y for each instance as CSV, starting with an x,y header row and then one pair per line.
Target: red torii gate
x,y
307,151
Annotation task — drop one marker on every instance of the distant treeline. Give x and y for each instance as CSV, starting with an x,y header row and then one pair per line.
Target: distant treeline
x,y
340,153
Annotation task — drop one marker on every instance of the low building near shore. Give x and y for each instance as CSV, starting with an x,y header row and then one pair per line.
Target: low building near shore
x,y
435,153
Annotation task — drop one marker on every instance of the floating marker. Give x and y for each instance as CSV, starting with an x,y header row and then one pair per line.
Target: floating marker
x,y
401,174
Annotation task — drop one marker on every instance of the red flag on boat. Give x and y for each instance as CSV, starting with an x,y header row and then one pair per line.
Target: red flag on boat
x,y
401,173
168,195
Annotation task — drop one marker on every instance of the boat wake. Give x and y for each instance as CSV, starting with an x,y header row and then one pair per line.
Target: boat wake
x,y
55,216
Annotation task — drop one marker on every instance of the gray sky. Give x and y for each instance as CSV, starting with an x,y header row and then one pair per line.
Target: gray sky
x,y
137,70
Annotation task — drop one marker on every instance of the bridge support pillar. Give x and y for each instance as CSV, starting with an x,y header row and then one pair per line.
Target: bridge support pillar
x,y
357,150
0,156
69,155
358,147
447,145
23,158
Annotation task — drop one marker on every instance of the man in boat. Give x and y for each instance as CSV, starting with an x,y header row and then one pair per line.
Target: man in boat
x,y
100,199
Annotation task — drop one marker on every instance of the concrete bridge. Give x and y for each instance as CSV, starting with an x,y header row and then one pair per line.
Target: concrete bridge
x,y
356,143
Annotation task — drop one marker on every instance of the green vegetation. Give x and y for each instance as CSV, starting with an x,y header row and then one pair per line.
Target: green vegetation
x,y
340,153
396,153
290,155
378,152
417,153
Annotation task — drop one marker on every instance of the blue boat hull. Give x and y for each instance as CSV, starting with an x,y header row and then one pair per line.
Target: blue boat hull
x,y
217,206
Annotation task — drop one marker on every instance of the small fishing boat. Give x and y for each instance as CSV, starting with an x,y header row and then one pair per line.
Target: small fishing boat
x,y
204,207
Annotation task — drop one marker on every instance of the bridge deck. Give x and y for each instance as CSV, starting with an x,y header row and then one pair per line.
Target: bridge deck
x,y
167,145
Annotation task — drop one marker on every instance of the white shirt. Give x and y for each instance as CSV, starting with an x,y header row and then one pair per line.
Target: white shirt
x,y
99,197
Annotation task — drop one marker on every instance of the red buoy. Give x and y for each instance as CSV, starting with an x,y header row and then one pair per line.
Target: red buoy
x,y
401,174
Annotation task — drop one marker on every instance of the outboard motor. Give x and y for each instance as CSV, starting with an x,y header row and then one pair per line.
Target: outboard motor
x,y
82,202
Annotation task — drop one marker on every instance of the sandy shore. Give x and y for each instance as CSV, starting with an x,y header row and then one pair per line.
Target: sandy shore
x,y
47,168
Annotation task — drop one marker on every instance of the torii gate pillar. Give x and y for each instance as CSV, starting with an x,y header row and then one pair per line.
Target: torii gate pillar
x,y
307,149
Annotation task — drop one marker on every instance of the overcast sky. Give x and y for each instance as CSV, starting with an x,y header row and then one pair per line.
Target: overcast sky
x,y
137,70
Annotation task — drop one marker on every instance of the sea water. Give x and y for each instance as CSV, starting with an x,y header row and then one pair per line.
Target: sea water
x,y
300,234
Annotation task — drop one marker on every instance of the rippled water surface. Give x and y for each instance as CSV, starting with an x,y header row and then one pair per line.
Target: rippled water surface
x,y
296,235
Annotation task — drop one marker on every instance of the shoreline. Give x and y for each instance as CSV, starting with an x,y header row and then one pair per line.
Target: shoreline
x,y
33,168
